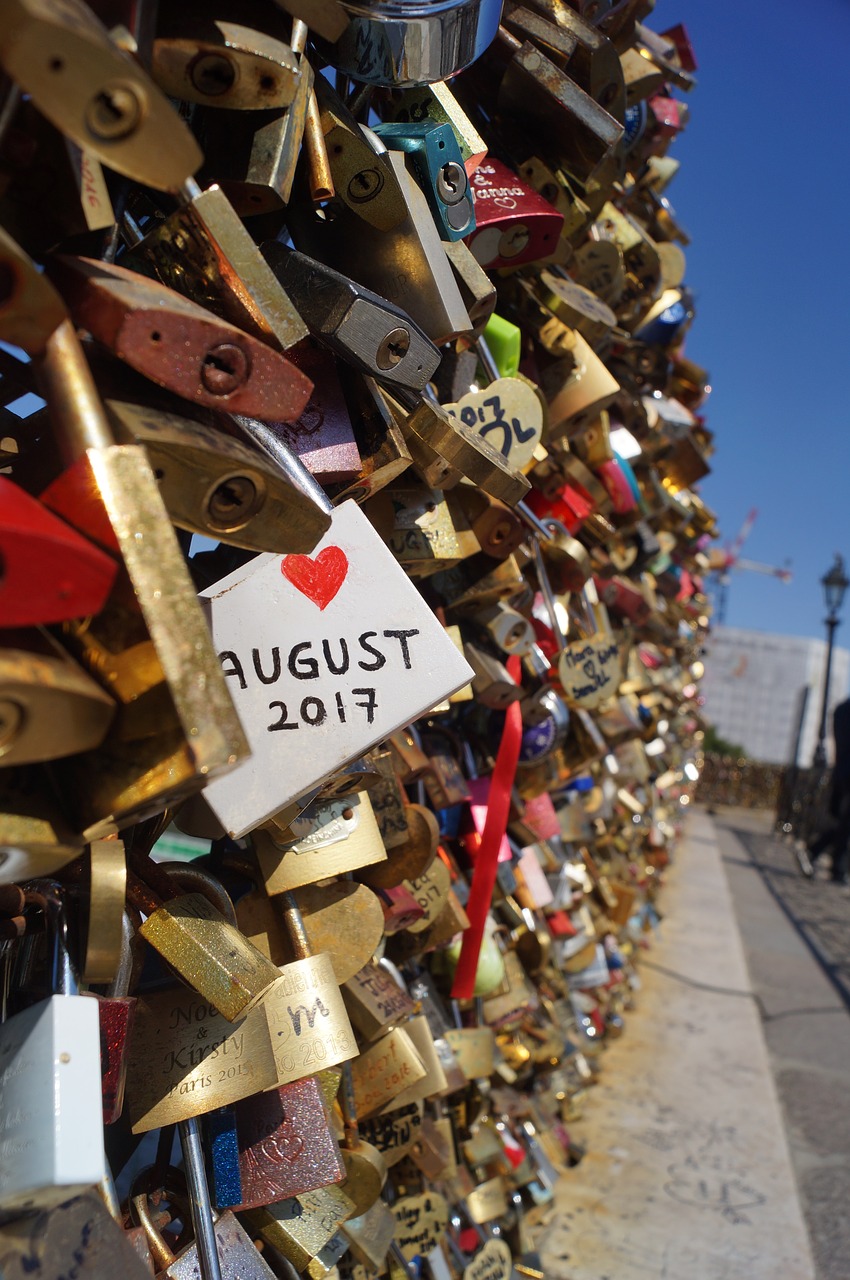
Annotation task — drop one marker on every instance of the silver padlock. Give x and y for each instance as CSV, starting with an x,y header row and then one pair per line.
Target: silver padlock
x,y
411,42
51,1129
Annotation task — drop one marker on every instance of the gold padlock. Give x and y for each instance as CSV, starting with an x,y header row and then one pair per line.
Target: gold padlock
x,y
329,838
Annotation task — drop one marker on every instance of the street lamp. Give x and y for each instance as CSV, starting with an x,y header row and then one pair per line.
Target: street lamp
x,y
834,584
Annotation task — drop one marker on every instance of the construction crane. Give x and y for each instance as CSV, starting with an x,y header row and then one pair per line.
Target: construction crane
x,y
722,560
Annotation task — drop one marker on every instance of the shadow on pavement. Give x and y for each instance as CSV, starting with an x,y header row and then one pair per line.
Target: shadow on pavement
x,y
818,910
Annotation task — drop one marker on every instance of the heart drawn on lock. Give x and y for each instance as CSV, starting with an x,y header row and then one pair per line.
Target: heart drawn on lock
x,y
318,578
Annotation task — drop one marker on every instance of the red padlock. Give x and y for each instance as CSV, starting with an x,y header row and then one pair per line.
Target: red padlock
x,y
513,224
48,571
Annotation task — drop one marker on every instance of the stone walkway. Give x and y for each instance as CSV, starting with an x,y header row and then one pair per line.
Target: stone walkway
x,y
796,936
688,1174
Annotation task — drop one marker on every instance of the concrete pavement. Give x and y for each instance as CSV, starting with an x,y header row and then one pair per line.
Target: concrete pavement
x,y
796,936
688,1174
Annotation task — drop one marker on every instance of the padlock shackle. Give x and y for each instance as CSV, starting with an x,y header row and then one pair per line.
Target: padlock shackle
x,y
63,976
294,922
200,1204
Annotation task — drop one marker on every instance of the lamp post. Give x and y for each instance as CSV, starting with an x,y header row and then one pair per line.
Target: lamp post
x,y
834,583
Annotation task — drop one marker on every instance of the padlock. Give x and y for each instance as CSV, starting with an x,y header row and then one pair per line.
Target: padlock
x,y
363,178
323,437
145,324
50,572
204,251
253,154
382,1073
272,1146
410,858
375,1001
405,265
420,1223
343,919
370,333
430,890
512,406
409,45
53,1048
82,1228
420,529
388,802
477,291
446,448
215,486
49,706
574,128
400,909
576,306
507,629
209,953
383,452
434,1080
222,64
394,1133
578,387
437,163
578,47
96,93
300,1227
491,682
514,225
330,837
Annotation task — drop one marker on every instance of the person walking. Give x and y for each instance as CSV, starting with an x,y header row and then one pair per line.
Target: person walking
x,y
837,837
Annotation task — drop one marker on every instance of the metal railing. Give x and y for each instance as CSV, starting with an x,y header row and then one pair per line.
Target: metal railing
x,y
802,805
744,783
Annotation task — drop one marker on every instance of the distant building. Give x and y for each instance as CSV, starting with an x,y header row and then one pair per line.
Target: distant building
x,y
754,687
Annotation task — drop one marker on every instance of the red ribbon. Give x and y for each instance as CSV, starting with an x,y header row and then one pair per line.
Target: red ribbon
x,y
486,862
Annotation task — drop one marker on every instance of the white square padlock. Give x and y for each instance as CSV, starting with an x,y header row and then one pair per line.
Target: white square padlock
x,y
51,1108
325,655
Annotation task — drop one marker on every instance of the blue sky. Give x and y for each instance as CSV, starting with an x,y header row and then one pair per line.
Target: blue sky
x,y
763,192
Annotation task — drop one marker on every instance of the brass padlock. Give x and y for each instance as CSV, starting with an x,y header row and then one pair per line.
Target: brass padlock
x,y
406,265
446,448
376,337
298,1228
329,838
210,953
214,485
343,919
419,528
253,154
49,706
95,92
222,64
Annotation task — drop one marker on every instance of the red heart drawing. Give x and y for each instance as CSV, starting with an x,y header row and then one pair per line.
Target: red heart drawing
x,y
318,579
